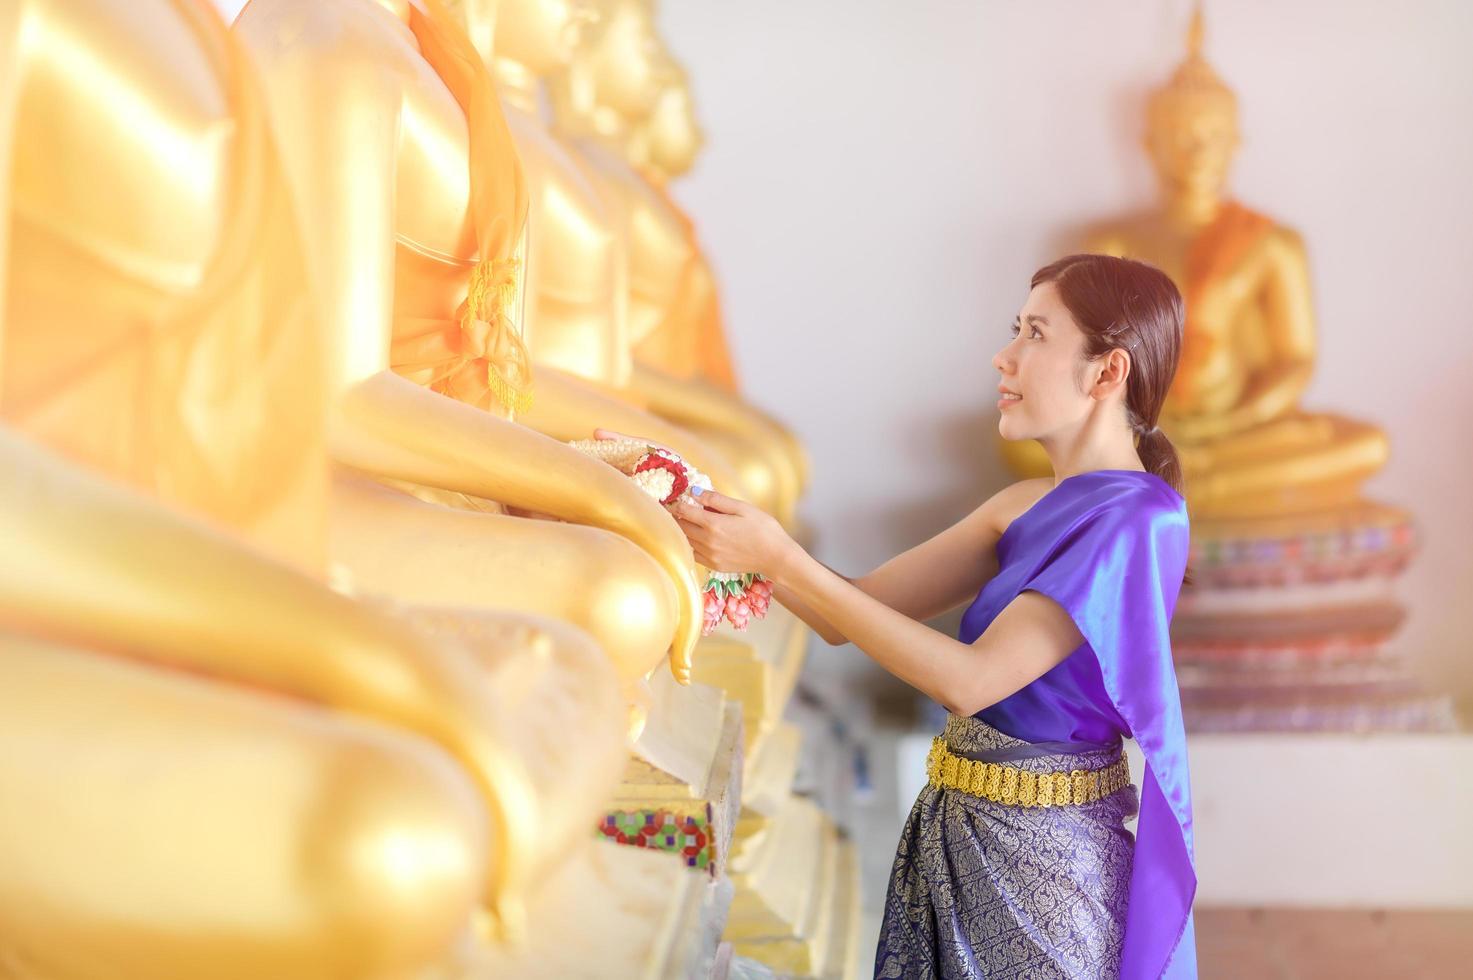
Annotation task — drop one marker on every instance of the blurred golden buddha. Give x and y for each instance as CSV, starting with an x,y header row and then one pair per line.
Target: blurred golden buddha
x,y
412,201
576,316
602,100
1247,448
686,359
215,765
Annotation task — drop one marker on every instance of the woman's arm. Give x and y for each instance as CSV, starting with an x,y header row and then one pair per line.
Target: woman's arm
x,y
789,600
1027,639
936,575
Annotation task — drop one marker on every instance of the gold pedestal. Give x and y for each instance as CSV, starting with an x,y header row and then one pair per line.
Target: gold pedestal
x,y
767,784
789,892
842,958
681,790
736,667
612,912
759,668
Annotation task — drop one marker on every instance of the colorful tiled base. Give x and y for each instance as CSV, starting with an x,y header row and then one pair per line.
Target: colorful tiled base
x,y
686,835
651,810
1319,653
1302,629
1372,539
1311,713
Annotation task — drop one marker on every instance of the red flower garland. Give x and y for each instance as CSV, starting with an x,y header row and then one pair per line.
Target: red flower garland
x,y
658,461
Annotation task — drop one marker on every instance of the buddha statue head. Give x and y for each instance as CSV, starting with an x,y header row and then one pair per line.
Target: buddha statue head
x,y
1192,125
672,134
623,60
478,17
541,36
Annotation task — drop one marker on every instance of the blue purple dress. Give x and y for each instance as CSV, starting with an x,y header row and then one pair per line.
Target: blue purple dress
x,y
984,889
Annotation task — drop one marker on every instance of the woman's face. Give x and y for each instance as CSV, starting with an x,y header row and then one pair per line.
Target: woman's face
x,y
1044,364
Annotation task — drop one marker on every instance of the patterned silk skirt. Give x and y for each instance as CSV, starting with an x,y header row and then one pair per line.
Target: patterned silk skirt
x,y
984,889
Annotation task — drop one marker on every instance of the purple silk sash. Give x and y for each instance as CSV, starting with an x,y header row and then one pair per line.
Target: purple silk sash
x,y
1110,547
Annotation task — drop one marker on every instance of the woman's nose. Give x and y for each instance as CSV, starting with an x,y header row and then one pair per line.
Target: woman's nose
x,y
1001,361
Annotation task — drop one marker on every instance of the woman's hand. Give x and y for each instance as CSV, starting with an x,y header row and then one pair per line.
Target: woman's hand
x,y
729,535
606,434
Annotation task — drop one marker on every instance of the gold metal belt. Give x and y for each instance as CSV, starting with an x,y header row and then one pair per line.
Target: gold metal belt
x,y
1019,787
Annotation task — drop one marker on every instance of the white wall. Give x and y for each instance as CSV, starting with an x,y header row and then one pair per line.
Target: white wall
x,y
882,178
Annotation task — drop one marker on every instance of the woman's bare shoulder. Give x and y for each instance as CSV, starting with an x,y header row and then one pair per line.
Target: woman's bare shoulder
x,y
1012,501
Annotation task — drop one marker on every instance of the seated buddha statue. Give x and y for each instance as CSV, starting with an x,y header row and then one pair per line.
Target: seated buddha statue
x,y
228,769
690,344
1247,447
413,206
608,88
574,319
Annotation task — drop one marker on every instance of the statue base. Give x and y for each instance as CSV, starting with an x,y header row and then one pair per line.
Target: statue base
x,y
796,907
686,804
637,914
1288,625
759,668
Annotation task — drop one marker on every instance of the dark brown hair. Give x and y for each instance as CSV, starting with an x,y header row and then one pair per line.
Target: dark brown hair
x,y
1128,304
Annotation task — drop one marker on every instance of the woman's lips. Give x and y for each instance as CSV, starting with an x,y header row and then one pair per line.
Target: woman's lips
x,y
1004,402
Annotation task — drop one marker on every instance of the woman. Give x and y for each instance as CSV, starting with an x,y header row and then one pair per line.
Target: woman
x,y
1015,861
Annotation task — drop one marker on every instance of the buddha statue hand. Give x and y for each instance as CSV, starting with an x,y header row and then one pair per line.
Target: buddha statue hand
x,y
1271,394
737,597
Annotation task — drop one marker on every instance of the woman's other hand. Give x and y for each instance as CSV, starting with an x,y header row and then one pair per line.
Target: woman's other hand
x,y
607,434
729,535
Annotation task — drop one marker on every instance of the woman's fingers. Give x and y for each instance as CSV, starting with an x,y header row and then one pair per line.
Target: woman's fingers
x,y
693,513
613,434
722,504
699,546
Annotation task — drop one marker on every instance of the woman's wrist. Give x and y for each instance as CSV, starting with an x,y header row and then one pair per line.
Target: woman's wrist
x,y
786,563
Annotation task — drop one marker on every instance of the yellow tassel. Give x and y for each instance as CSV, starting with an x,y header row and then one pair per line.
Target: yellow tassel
x,y
492,290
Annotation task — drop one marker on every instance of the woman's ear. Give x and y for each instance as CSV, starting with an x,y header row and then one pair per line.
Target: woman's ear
x,y
1114,371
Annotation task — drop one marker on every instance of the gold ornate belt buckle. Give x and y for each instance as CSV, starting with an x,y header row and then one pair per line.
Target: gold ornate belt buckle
x,y
1012,786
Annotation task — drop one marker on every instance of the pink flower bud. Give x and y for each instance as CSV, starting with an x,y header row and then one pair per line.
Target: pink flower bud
x,y
758,602
713,610
738,613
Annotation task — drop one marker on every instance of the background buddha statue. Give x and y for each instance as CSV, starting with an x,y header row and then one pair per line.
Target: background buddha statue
x,y
1246,445
1289,561
412,203
575,321
687,356
601,99
183,702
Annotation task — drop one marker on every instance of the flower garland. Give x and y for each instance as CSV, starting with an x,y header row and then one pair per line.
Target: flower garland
x,y
737,597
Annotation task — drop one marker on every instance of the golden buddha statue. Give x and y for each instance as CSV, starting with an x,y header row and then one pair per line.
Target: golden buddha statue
x,y
1247,448
183,702
412,203
608,89
575,321
690,342
687,356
